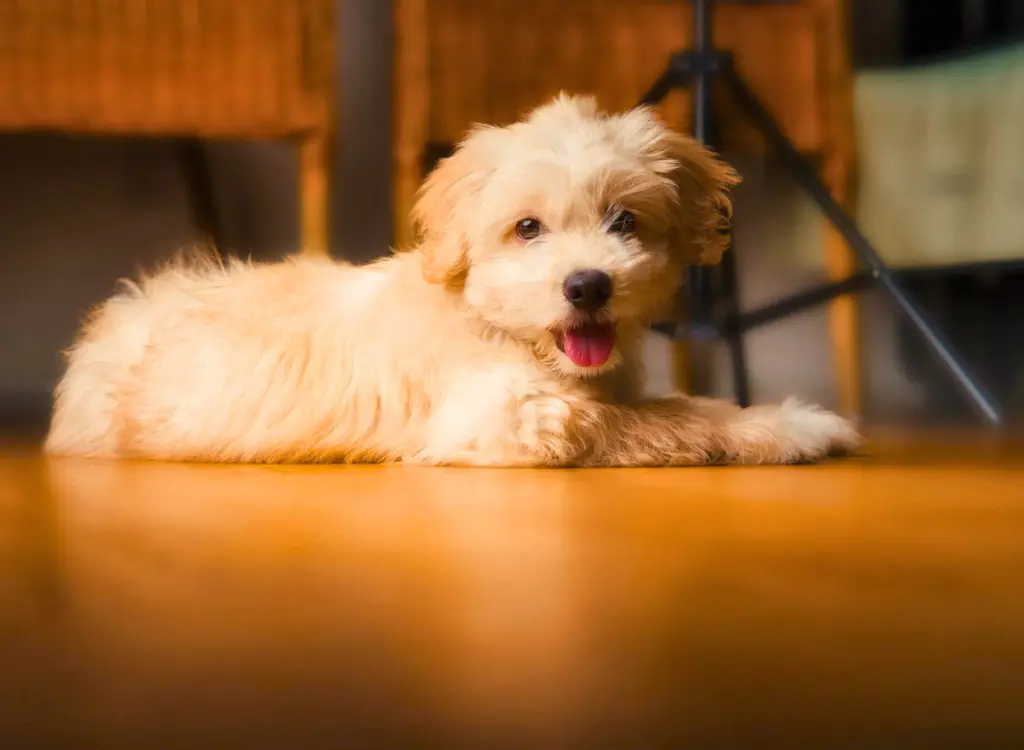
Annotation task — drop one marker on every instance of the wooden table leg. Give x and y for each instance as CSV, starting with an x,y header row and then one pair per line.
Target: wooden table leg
x,y
682,366
412,110
844,312
314,195
844,323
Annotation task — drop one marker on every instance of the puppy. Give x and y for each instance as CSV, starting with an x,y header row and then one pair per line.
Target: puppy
x,y
510,336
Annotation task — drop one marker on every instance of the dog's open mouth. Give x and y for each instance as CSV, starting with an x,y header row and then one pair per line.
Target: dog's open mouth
x,y
587,344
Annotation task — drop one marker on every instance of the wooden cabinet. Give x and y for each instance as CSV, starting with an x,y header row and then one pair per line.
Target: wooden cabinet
x,y
189,68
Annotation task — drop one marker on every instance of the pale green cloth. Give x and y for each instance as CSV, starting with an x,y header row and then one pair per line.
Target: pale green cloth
x,y
941,160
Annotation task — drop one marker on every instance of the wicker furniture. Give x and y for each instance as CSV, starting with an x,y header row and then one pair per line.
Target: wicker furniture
x,y
180,68
794,54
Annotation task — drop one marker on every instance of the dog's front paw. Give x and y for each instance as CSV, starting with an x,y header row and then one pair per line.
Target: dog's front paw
x,y
542,429
792,432
524,430
542,419
807,433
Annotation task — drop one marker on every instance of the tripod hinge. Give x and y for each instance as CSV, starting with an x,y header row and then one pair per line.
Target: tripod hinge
x,y
691,62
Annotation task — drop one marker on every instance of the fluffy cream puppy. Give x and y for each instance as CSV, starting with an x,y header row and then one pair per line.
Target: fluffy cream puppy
x,y
509,337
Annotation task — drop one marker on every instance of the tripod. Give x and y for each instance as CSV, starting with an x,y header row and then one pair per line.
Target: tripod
x,y
696,68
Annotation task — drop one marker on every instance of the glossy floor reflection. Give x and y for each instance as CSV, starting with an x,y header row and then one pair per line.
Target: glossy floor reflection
x,y
876,602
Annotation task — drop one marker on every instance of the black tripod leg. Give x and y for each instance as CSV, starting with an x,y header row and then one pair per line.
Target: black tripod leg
x,y
705,298
660,88
806,176
733,332
699,291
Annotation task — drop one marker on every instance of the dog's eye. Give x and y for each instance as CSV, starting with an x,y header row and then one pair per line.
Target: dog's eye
x,y
528,229
623,223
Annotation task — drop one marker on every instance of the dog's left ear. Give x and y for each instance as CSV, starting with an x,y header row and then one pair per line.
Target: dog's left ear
x,y
442,212
701,231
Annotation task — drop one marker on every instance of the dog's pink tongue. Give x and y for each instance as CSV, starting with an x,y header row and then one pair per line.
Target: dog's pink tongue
x,y
590,346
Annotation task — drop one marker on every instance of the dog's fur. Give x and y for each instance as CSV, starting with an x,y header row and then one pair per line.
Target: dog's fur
x,y
446,353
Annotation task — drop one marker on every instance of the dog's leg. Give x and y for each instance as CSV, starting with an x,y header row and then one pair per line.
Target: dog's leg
x,y
501,419
488,421
688,431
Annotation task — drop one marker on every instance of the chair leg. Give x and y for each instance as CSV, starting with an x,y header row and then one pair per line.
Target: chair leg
x,y
195,164
844,329
844,311
682,366
840,261
314,195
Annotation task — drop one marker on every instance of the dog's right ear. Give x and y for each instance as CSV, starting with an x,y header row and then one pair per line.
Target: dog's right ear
x,y
703,182
441,214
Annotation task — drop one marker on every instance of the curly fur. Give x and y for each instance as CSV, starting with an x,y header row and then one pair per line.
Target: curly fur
x,y
445,353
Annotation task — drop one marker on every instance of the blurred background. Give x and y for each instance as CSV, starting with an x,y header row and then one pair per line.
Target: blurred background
x,y
131,128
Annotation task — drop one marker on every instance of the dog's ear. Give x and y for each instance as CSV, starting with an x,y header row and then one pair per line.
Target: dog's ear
x,y
702,230
700,221
441,214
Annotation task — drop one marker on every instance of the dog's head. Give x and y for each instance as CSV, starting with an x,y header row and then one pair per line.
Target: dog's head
x,y
573,227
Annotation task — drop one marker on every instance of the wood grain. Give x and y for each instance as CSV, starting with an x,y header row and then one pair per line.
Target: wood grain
x,y
216,68
873,602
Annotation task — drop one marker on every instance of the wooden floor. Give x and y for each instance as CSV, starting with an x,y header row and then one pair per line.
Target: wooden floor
x,y
876,602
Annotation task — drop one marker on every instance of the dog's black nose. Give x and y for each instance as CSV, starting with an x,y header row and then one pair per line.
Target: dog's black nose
x,y
588,290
